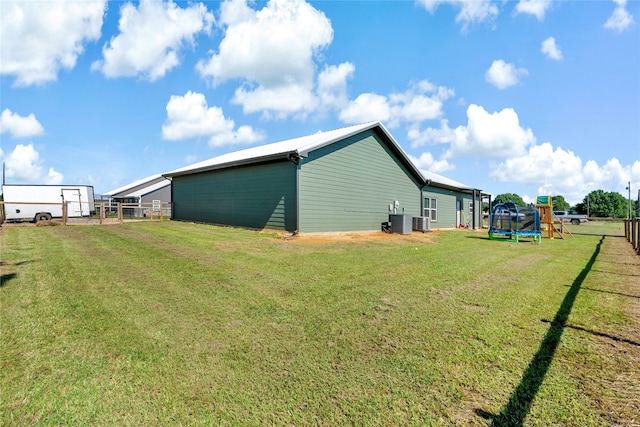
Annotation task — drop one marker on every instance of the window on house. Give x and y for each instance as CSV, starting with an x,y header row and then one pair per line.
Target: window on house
x,y
431,209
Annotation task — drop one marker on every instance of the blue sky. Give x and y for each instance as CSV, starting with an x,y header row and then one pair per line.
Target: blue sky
x,y
527,97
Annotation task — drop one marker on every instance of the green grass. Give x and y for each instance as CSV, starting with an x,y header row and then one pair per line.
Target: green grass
x,y
184,324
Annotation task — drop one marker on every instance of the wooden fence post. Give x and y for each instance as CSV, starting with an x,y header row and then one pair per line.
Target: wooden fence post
x,y
636,234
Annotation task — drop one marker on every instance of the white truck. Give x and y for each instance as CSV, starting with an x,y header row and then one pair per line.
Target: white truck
x,y
44,202
572,217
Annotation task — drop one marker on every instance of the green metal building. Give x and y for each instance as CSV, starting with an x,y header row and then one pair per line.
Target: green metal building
x,y
348,179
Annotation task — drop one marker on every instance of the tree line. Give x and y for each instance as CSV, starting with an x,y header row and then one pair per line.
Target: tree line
x,y
597,203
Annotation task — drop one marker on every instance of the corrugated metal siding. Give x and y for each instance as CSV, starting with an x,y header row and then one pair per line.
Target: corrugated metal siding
x,y
133,189
163,194
256,196
348,186
446,206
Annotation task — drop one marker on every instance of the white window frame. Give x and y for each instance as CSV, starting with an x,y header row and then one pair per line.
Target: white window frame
x,y
429,211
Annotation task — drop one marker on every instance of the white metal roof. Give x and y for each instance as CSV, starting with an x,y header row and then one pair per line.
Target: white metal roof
x,y
132,185
302,146
146,190
439,179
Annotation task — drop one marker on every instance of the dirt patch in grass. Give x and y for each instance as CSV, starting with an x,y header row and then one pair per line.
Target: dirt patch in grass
x,y
361,236
49,223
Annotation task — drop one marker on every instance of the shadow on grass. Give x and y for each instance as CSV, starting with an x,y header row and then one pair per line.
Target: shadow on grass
x,y
599,334
611,292
4,278
478,236
516,410
586,233
616,273
485,236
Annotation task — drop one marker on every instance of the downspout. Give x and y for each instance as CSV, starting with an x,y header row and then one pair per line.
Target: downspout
x,y
295,159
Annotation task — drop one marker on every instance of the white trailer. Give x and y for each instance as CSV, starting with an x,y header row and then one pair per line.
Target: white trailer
x,y
44,202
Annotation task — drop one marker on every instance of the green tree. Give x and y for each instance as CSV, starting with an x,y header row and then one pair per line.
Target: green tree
x,y
506,197
600,203
560,204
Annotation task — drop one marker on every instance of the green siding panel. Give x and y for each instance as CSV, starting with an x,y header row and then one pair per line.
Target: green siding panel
x,y
348,186
446,200
256,196
447,207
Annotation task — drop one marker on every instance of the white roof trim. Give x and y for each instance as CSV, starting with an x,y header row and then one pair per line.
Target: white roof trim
x,y
132,185
149,189
439,179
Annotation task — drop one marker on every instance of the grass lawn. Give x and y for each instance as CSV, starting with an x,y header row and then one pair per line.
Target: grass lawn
x,y
184,324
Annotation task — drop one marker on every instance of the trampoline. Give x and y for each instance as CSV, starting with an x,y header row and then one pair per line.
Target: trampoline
x,y
511,222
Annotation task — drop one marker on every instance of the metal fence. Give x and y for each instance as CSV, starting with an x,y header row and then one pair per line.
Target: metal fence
x,y
632,232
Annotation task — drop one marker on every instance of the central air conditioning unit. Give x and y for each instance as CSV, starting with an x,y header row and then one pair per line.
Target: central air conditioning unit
x,y
422,223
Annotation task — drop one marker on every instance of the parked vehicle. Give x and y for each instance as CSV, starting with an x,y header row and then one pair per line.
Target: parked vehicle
x,y
44,202
572,217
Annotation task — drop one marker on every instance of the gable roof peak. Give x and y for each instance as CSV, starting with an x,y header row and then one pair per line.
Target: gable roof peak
x,y
301,145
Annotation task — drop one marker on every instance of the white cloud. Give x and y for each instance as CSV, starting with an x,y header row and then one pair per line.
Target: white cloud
x,y
276,101
23,165
489,135
272,52
235,12
366,107
442,135
427,162
189,116
421,102
497,134
502,74
190,158
551,49
539,163
470,11
332,85
536,8
41,37
558,171
620,19
151,38
18,126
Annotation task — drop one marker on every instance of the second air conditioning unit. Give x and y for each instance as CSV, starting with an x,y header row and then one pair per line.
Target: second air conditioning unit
x,y
422,223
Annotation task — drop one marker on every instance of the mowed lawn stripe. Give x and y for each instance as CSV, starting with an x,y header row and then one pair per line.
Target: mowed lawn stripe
x,y
176,323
